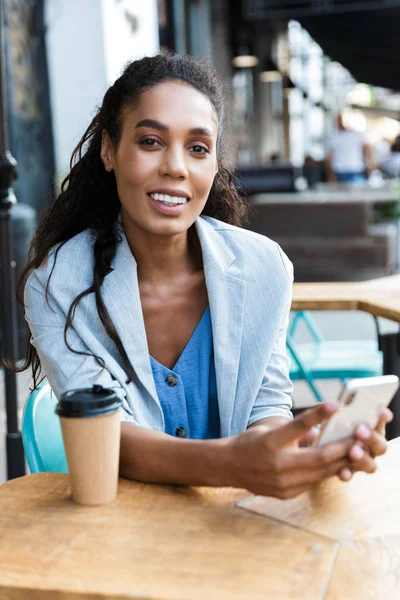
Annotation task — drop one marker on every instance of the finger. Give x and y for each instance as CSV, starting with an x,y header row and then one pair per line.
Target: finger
x,y
365,464
356,452
372,442
315,458
296,429
309,438
306,482
385,417
298,478
345,474
292,492
381,428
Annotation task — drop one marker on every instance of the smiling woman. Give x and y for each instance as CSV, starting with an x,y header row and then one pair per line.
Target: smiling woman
x,y
141,279
175,159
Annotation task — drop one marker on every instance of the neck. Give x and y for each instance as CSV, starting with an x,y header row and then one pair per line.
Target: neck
x,y
163,258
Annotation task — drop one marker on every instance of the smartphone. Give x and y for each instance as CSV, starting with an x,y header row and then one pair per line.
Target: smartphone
x,y
361,402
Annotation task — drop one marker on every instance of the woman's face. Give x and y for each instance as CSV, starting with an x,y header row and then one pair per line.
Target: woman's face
x,y
166,160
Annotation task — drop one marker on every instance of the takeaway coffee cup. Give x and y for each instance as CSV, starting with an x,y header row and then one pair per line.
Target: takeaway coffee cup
x,y
90,424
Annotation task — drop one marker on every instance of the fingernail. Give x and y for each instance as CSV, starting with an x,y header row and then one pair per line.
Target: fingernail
x,y
357,452
363,431
331,405
346,474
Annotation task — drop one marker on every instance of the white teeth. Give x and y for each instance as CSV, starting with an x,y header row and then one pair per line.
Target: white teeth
x,y
170,200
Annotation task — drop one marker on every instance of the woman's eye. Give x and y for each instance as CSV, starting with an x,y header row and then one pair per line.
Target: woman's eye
x,y
149,142
200,149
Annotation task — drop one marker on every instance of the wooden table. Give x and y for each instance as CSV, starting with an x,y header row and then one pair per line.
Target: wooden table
x,y
342,541
379,297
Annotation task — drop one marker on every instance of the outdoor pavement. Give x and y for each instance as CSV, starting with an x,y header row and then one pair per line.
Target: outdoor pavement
x,y
333,325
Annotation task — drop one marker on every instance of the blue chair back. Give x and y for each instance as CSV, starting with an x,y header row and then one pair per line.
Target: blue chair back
x,y
328,359
41,433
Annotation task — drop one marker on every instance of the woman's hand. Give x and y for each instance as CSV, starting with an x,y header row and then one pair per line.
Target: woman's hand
x,y
367,445
272,462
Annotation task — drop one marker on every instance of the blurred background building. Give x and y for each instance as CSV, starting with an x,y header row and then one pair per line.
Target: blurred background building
x,y
291,68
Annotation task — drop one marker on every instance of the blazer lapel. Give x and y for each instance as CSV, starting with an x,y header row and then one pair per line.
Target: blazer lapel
x,y
226,293
121,296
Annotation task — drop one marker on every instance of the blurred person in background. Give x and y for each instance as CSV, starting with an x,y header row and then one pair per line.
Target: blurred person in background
x,y
275,158
390,166
349,158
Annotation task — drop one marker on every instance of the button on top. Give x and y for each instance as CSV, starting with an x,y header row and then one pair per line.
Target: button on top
x,y
171,380
180,432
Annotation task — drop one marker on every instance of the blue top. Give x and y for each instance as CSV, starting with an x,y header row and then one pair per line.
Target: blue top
x,y
188,392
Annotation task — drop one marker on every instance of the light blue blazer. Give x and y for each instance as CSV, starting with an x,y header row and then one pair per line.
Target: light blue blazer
x,y
249,282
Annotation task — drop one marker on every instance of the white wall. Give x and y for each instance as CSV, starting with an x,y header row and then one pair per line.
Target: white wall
x,y
121,42
88,44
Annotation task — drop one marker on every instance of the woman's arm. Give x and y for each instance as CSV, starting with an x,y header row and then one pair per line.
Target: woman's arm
x,y
248,460
64,370
156,457
264,460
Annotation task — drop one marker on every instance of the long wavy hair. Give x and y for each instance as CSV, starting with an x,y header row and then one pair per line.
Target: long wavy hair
x,y
89,198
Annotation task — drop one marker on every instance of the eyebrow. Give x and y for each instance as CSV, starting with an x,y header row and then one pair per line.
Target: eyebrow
x,y
157,125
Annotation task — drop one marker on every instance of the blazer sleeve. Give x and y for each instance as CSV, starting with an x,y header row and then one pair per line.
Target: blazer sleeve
x,y
274,397
64,369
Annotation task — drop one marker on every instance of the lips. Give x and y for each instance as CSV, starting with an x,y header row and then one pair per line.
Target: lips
x,y
168,208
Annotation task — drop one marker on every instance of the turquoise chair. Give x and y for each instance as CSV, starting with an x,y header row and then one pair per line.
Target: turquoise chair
x,y
41,433
322,359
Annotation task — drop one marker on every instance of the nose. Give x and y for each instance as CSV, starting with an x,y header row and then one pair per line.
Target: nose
x,y
174,164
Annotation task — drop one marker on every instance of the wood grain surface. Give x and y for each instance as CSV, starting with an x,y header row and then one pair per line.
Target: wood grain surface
x,y
154,542
368,506
367,570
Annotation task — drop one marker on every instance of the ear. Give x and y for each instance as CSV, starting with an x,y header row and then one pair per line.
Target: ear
x,y
107,151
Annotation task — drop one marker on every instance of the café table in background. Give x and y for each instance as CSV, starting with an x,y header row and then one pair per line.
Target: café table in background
x,y
340,541
378,297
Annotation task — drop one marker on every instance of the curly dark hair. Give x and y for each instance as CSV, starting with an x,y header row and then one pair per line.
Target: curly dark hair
x,y
89,198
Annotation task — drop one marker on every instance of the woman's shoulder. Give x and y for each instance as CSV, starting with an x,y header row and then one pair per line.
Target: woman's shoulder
x,y
66,261
252,249
240,235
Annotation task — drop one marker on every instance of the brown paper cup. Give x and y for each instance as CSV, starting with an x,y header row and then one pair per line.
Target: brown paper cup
x,y
92,450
